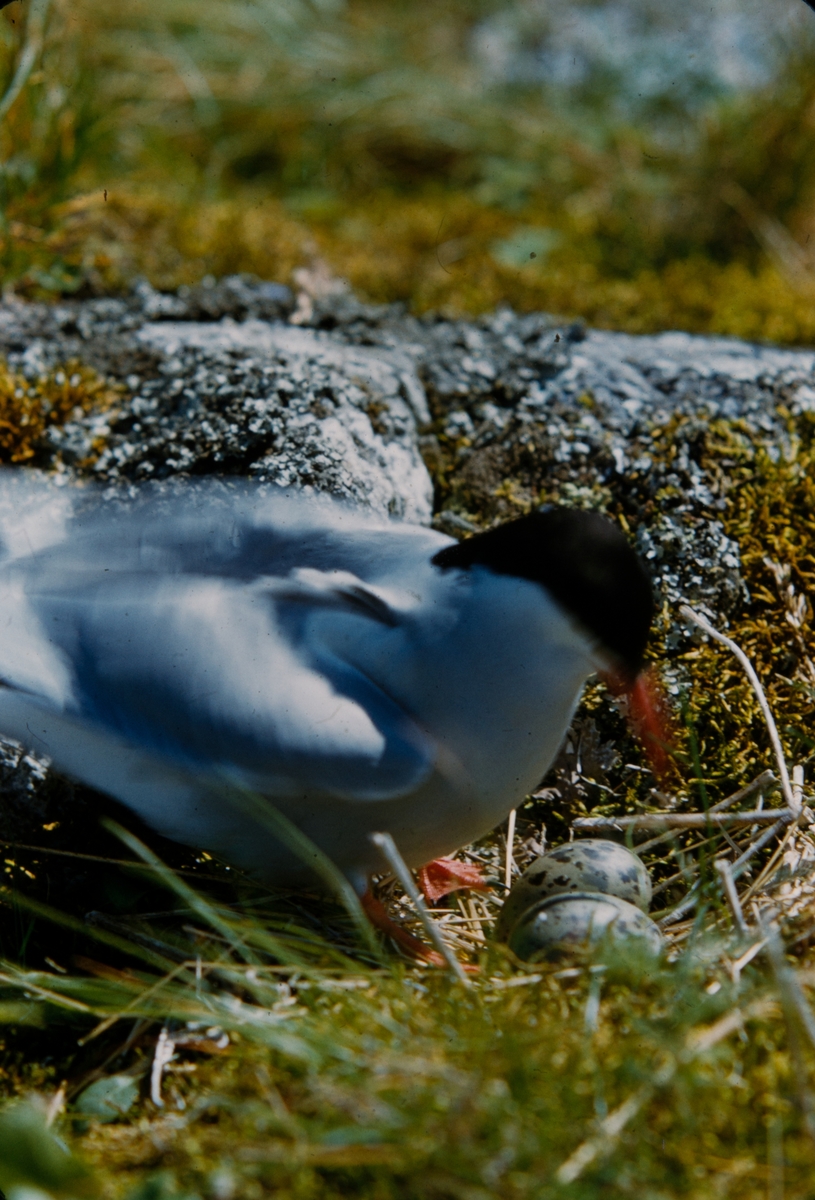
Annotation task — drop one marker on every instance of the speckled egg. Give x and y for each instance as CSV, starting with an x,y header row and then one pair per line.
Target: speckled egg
x,y
579,920
592,865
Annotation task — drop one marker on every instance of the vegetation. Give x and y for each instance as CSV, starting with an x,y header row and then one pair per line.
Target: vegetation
x,y
230,135
238,135
29,408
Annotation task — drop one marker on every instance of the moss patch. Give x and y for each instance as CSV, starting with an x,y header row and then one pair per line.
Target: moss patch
x,y
30,407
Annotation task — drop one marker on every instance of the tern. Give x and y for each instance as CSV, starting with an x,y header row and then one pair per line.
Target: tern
x,y
361,673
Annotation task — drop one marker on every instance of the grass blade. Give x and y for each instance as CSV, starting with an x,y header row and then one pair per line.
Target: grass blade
x,y
268,815
194,899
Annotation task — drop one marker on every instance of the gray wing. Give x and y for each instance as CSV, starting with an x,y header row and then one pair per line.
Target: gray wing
x,y
211,676
230,529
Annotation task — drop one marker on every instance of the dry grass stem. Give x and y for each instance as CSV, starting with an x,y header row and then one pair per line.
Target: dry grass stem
x,y
56,1105
510,860
387,847
738,966
715,820
164,1051
738,867
758,844
32,48
762,782
610,1129
769,867
700,1040
786,786
688,872
732,896
670,821
676,914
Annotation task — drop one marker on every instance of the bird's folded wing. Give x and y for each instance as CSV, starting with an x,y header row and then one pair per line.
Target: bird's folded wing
x,y
208,675
226,528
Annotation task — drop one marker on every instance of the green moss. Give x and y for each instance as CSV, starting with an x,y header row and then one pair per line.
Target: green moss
x,y
29,408
420,1088
769,513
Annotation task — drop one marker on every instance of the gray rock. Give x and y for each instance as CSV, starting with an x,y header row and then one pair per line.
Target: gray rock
x,y
259,398
584,431
274,402
237,296
23,790
352,404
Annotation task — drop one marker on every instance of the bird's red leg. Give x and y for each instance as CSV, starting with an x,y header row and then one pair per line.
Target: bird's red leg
x,y
445,875
375,911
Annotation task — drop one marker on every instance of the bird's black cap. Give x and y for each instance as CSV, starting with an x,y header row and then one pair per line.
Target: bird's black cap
x,y
584,561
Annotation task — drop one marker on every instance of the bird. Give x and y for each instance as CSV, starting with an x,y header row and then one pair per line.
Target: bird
x,y
165,644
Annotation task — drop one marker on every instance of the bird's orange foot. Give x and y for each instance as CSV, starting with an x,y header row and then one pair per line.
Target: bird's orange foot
x,y
445,875
413,946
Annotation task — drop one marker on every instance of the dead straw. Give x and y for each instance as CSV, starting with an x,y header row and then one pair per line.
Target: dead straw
x,y
762,781
510,860
793,802
731,895
696,820
387,847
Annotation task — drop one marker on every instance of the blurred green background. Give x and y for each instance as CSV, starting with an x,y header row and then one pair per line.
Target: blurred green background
x,y
640,164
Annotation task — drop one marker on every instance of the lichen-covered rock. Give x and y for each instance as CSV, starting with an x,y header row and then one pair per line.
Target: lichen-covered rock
x,y
522,408
260,398
275,402
236,296
24,780
529,409
619,427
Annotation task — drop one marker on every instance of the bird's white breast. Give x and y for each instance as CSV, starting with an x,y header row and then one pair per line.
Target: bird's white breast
x,y
492,668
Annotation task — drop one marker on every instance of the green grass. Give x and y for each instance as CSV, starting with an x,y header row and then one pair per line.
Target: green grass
x,y
250,135
342,1077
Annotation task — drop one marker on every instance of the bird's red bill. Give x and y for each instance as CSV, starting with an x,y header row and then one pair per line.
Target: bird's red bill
x,y
647,712
648,716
